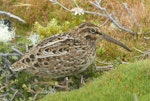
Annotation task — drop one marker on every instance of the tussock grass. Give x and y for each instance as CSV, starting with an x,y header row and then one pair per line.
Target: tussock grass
x,y
121,84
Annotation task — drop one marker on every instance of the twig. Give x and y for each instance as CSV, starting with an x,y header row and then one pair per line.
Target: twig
x,y
35,96
66,86
24,99
94,13
8,54
56,2
84,11
14,95
7,62
97,4
12,16
146,38
138,50
16,50
104,23
148,32
23,5
1,88
70,3
60,86
76,3
131,15
146,53
4,95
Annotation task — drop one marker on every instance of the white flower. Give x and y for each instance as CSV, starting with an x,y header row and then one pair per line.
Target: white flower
x,y
54,1
6,34
78,10
34,38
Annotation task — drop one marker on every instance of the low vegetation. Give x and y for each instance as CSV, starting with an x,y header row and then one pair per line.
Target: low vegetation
x,y
43,18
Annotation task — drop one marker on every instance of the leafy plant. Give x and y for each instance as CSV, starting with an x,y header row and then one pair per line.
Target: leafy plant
x,y
52,28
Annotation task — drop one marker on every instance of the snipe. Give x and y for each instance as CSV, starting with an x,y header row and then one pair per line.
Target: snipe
x,y
64,54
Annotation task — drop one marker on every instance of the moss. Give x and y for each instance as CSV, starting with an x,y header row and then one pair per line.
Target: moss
x,y
54,27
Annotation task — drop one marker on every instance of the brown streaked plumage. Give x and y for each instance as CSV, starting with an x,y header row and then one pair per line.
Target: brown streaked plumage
x,y
64,54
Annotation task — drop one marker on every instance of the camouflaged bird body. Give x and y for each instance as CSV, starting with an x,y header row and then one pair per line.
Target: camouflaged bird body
x,y
58,56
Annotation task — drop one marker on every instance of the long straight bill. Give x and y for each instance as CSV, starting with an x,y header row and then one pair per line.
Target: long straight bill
x,y
110,39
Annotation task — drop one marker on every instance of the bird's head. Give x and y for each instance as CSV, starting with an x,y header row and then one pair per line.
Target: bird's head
x,y
90,31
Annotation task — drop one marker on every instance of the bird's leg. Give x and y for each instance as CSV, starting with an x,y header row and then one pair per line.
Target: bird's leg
x,y
27,47
82,80
95,66
66,86
102,68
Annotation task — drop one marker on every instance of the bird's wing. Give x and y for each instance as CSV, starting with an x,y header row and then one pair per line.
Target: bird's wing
x,y
60,45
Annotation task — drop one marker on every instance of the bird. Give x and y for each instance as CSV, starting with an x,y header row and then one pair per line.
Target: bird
x,y
62,55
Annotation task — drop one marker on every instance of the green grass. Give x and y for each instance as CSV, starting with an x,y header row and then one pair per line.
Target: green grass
x,y
120,84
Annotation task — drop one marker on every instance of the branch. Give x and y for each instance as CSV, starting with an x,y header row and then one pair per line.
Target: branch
x,y
104,23
12,98
146,38
95,13
35,96
76,3
146,53
143,53
56,2
16,50
12,16
4,95
97,4
1,88
5,56
131,15
7,63
18,93
77,9
8,54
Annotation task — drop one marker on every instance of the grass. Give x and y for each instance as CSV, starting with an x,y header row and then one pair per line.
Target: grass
x,y
120,84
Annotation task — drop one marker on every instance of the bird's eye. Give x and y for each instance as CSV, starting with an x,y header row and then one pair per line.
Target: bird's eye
x,y
92,31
